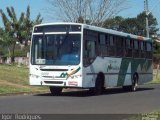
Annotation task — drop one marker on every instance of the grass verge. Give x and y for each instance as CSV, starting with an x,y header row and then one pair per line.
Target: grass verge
x,y
156,77
14,79
147,116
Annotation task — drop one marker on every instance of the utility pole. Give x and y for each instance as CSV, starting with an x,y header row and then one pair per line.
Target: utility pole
x,y
147,13
80,8
0,12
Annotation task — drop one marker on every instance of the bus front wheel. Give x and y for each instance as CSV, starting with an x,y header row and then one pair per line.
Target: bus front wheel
x,y
99,85
55,90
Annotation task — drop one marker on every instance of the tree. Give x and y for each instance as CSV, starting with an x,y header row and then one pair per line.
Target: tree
x,y
6,40
134,25
7,36
94,11
21,27
18,29
113,23
141,20
28,24
129,25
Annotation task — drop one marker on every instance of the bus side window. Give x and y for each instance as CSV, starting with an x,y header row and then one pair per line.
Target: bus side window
x,y
139,49
128,47
103,45
136,44
144,46
135,49
107,39
90,42
111,47
119,46
111,40
91,49
142,49
102,39
128,43
119,41
149,50
141,45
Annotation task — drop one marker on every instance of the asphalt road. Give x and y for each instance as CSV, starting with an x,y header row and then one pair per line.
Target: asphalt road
x,y
113,101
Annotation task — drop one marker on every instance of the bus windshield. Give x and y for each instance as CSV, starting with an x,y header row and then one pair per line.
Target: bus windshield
x,y
56,49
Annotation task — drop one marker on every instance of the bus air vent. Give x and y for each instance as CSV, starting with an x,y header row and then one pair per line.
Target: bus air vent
x,y
53,82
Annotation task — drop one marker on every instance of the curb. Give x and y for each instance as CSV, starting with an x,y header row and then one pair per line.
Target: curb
x,y
44,92
23,93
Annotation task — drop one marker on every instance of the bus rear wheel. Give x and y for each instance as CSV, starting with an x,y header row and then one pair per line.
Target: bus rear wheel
x,y
134,82
134,85
55,90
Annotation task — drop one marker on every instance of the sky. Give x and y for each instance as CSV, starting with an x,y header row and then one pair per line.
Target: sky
x,y
134,7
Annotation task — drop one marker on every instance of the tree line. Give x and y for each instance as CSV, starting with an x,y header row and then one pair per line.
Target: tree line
x,y
16,30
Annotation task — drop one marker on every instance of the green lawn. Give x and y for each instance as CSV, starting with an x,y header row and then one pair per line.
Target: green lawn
x,y
14,79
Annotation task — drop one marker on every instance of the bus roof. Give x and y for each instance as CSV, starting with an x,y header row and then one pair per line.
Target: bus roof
x,y
99,29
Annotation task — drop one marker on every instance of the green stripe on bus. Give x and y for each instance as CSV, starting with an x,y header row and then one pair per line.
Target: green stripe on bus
x,y
123,71
135,63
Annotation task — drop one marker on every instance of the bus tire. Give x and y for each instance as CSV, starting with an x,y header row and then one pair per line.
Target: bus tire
x,y
134,85
99,85
55,90
134,82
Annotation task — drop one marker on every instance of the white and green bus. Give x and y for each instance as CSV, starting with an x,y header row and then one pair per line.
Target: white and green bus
x,y
74,55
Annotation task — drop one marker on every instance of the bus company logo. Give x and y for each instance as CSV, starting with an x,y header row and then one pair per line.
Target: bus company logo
x,y
111,67
69,73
